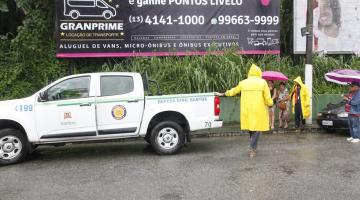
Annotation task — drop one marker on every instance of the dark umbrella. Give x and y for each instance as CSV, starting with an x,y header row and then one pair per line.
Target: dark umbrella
x,y
343,76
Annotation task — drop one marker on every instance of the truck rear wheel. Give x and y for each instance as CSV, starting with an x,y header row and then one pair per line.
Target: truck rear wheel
x,y
167,138
14,146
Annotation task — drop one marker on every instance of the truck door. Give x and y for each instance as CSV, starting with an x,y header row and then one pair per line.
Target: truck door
x,y
119,105
69,110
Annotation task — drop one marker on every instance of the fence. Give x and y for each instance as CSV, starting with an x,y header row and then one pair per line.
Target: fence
x,y
230,106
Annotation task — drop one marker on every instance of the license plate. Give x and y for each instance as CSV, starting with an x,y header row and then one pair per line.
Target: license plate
x,y
327,123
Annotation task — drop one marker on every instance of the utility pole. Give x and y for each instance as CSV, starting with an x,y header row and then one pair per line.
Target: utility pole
x,y
309,49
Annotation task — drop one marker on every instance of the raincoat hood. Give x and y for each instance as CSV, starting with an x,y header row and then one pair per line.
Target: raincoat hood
x,y
255,71
299,81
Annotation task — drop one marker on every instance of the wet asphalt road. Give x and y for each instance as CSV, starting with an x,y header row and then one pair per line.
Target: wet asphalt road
x,y
295,166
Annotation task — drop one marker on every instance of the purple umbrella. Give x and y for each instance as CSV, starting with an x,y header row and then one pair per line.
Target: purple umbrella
x,y
343,76
274,76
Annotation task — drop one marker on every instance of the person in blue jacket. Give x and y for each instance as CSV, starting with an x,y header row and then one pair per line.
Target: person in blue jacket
x,y
354,114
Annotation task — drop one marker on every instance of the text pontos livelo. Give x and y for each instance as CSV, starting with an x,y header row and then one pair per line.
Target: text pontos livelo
x,y
141,3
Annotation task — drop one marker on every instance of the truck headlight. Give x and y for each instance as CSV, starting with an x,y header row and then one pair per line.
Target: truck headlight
x,y
343,115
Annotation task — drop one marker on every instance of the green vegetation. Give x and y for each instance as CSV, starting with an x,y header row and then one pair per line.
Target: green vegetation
x,y
27,58
221,72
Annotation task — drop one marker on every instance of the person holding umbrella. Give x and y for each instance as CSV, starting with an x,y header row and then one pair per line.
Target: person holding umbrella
x,y
273,93
344,77
272,76
347,99
254,105
300,101
354,114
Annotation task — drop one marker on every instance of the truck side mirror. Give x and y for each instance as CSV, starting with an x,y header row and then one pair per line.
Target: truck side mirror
x,y
43,96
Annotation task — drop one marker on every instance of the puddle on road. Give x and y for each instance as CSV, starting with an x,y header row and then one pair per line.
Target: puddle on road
x,y
347,173
172,196
287,170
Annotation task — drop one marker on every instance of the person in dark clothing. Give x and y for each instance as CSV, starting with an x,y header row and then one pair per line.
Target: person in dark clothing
x,y
347,99
354,113
298,111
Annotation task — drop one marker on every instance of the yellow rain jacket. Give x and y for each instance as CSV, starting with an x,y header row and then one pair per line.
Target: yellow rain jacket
x,y
255,101
304,97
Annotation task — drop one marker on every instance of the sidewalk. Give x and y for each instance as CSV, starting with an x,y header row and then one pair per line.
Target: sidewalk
x,y
234,130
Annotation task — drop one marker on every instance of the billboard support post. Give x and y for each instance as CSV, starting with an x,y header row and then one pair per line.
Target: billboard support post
x,y
309,48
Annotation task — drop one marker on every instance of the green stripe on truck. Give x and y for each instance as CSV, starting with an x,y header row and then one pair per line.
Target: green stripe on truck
x,y
101,100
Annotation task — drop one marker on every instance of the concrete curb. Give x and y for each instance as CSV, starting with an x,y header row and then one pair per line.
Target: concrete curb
x,y
229,132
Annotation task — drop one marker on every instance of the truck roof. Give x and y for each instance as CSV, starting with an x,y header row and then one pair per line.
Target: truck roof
x,y
103,73
106,73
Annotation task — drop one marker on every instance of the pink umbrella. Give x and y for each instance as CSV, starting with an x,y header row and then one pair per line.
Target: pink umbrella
x,y
274,76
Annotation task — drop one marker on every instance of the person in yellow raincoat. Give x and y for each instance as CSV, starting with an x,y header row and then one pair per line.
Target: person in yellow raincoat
x,y
254,105
300,102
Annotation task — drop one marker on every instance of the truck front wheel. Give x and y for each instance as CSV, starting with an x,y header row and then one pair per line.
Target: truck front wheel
x,y
13,146
167,138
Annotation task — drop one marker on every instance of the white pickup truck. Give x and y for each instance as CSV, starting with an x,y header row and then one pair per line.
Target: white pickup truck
x,y
99,107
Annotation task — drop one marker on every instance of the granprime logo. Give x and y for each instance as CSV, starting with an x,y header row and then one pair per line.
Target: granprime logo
x,y
76,9
92,26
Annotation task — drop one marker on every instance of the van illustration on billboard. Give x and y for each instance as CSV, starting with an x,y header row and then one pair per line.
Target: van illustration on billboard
x,y
88,8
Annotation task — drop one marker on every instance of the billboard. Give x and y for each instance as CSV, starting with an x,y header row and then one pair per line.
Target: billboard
x,y
121,28
336,26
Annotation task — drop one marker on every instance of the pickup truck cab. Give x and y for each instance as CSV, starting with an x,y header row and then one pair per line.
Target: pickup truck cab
x,y
99,107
